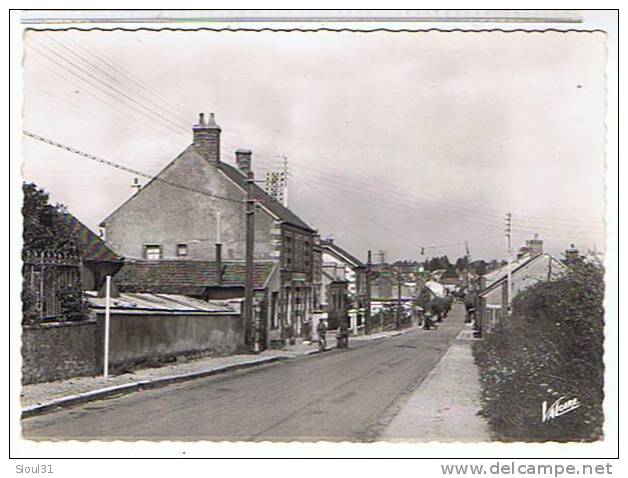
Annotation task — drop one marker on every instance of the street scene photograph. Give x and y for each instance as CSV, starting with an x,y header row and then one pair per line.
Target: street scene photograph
x,y
308,235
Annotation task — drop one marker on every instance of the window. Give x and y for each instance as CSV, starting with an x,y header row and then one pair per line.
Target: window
x,y
182,250
152,252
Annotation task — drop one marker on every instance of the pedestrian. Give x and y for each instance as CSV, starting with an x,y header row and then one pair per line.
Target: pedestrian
x,y
321,330
342,335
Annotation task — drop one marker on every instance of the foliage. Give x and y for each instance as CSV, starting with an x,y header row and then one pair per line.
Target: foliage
x,y
43,229
46,232
551,347
72,304
437,263
450,273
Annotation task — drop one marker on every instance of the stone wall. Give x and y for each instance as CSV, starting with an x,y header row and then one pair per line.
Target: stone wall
x,y
141,338
61,350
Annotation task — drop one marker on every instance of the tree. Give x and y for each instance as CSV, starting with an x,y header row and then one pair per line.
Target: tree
x,y
45,232
462,263
43,228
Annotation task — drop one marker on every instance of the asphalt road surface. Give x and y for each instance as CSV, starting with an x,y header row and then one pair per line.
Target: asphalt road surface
x,y
338,395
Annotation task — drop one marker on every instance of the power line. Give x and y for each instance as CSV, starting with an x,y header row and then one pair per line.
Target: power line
x,y
146,103
154,115
149,123
143,88
126,168
457,208
133,111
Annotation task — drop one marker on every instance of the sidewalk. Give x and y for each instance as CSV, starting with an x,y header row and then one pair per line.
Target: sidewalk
x,y
41,397
444,407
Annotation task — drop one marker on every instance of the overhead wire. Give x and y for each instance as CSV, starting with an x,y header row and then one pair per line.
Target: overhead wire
x,y
128,169
445,208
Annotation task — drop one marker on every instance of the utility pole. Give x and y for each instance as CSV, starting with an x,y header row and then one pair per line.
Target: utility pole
x,y
249,335
218,250
107,325
398,315
367,312
509,279
468,263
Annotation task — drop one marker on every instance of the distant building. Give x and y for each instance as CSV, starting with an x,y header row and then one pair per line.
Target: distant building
x,y
532,266
162,222
340,266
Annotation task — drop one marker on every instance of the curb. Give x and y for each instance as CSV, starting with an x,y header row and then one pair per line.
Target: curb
x,y
127,388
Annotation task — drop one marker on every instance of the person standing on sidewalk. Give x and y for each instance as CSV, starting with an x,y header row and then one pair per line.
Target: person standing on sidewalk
x,y
321,330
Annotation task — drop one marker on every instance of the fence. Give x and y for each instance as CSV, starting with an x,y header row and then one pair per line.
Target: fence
x,y
52,285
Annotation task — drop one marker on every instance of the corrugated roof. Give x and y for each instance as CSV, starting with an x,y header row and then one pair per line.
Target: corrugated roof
x,y
92,247
186,277
146,302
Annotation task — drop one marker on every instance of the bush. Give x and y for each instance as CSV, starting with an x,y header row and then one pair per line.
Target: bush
x,y
551,347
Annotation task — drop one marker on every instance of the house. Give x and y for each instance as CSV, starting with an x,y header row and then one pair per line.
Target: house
x,y
337,303
531,266
341,267
389,293
194,209
450,279
436,289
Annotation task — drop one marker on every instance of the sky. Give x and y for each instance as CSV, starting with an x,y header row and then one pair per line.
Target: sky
x,y
402,142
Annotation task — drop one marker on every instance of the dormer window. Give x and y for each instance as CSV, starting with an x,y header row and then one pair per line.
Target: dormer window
x,y
182,250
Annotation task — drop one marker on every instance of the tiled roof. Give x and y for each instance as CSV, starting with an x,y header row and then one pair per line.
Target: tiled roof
x,y
186,277
260,195
92,247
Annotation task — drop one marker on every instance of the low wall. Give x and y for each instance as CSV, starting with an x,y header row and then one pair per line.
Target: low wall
x,y
61,350
136,339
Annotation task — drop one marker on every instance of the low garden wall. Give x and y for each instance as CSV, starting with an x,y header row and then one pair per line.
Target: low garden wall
x,y
62,350
136,339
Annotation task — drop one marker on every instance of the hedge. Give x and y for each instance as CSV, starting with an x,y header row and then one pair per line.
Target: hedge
x,y
550,347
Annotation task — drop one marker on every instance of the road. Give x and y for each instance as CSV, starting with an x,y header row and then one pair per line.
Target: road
x,y
338,395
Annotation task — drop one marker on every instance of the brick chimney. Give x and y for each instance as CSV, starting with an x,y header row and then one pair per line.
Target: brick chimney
x,y
207,138
243,160
572,254
535,245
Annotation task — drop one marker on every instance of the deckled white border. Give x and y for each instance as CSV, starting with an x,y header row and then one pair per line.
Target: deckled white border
x,y
19,447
